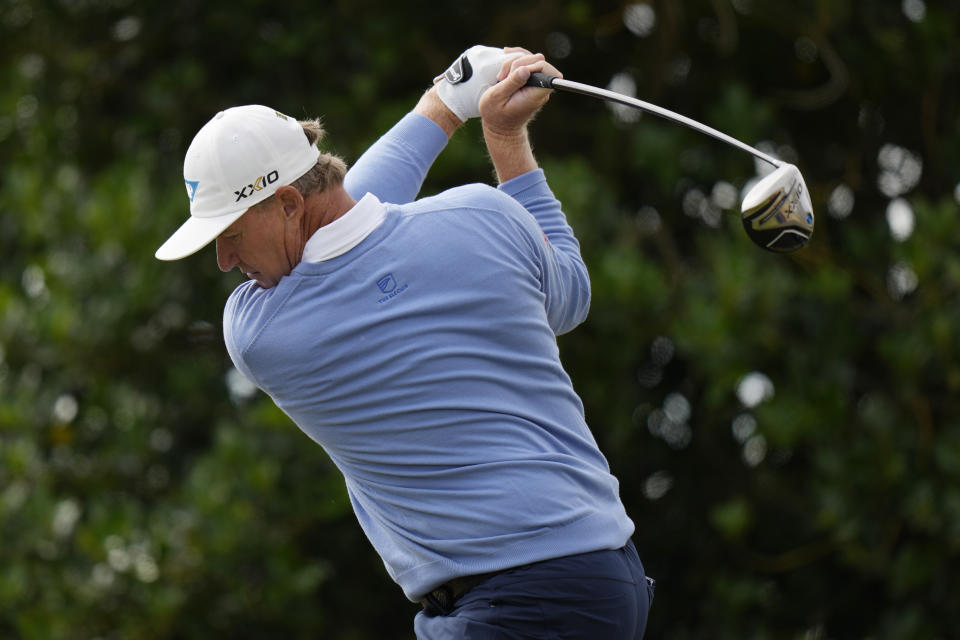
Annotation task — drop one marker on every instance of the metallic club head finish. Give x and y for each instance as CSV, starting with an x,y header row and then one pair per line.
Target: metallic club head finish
x,y
777,213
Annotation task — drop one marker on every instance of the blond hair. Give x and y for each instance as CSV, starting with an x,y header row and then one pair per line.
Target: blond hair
x,y
329,169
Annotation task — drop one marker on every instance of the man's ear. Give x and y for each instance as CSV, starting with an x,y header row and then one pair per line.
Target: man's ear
x,y
291,201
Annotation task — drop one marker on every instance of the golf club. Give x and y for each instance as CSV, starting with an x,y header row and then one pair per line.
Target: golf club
x,y
777,213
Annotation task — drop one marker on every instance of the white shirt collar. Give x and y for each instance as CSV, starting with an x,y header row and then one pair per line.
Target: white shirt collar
x,y
346,232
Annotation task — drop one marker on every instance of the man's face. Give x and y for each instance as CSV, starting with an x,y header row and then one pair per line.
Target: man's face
x,y
257,244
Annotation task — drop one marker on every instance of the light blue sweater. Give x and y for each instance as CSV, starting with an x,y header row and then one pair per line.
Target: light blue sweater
x,y
442,400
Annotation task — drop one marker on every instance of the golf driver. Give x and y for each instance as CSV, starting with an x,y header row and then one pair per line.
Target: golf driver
x,y
777,213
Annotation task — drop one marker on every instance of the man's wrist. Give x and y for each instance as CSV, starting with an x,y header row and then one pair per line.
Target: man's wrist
x,y
516,137
431,106
510,151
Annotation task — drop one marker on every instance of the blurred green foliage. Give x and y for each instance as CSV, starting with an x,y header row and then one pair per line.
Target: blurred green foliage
x,y
786,429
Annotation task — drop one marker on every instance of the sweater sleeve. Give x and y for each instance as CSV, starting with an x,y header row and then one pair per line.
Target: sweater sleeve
x,y
394,167
566,282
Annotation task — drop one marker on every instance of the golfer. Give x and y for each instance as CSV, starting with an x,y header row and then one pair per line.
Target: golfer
x,y
415,341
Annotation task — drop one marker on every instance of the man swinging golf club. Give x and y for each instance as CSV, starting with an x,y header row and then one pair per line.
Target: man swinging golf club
x,y
415,341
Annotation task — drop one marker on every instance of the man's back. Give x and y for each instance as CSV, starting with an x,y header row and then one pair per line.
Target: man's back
x,y
423,360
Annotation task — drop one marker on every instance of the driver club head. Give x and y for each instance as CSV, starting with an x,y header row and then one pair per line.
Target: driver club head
x,y
777,213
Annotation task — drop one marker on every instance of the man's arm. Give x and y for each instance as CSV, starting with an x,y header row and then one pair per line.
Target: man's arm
x,y
507,108
395,166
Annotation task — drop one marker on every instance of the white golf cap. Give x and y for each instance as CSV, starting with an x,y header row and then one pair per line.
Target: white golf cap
x,y
236,160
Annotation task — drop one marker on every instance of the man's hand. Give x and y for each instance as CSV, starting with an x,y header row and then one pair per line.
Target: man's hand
x,y
506,109
474,71
509,105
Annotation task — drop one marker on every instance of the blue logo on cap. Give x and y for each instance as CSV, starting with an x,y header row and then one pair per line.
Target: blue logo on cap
x,y
191,188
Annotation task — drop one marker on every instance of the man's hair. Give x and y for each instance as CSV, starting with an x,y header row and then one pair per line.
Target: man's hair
x,y
329,169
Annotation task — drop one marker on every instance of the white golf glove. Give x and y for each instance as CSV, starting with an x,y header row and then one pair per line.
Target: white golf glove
x,y
473,72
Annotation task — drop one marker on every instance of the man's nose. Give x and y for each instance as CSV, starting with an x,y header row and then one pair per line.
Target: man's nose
x,y
226,258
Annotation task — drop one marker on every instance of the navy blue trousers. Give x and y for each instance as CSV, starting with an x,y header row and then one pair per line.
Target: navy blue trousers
x,y
592,596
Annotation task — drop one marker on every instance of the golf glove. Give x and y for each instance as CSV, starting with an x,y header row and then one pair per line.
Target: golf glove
x,y
466,80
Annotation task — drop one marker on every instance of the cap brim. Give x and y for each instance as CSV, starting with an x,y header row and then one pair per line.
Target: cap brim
x,y
195,234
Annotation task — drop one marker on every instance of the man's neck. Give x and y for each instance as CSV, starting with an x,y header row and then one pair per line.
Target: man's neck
x,y
325,207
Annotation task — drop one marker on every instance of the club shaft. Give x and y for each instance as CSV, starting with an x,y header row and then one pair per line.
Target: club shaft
x,y
552,82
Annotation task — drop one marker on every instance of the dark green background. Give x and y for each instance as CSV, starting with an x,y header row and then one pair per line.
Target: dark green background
x,y
144,496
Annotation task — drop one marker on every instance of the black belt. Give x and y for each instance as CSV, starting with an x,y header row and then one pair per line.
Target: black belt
x,y
442,600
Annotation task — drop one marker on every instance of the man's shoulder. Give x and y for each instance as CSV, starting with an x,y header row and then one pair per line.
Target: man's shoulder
x,y
472,191
248,309
475,196
244,294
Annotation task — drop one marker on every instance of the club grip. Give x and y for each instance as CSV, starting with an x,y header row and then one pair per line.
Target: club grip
x,y
541,80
